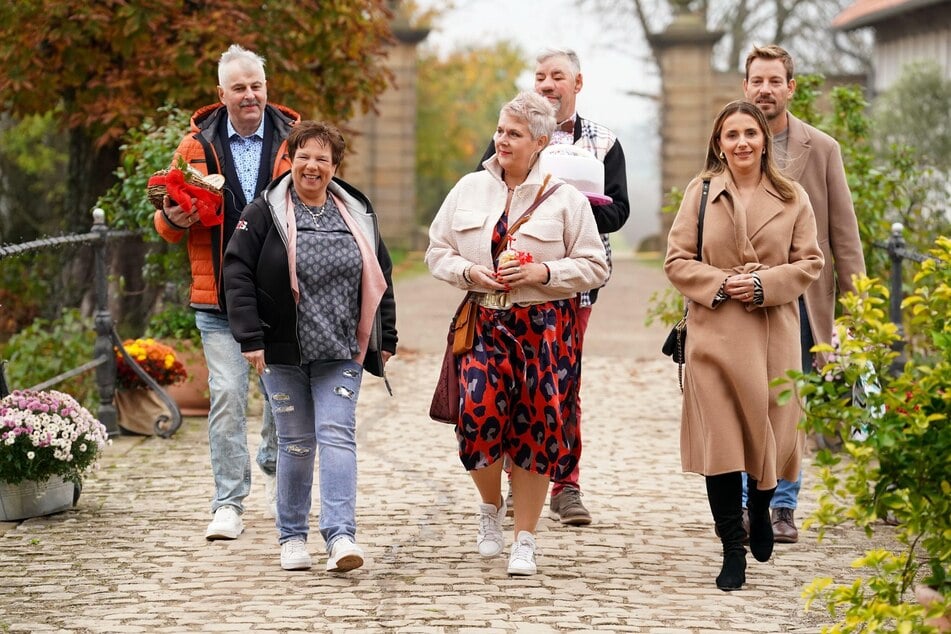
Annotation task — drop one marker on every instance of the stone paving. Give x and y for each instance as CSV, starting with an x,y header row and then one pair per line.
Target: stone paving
x,y
131,556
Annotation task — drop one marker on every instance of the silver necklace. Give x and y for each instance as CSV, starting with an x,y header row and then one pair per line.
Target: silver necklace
x,y
316,215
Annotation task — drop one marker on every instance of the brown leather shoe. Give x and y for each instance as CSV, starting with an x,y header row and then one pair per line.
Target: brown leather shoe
x,y
746,527
784,526
567,508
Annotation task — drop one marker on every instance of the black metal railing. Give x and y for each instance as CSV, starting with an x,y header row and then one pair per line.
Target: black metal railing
x,y
107,339
898,252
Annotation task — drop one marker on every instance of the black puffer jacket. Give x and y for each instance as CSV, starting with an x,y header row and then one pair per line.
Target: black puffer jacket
x,y
261,307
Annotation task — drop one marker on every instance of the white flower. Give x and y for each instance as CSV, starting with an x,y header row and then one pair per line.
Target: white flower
x,y
30,455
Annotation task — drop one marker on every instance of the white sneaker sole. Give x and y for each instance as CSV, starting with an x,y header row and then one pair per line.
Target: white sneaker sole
x,y
297,565
522,572
345,563
491,555
216,533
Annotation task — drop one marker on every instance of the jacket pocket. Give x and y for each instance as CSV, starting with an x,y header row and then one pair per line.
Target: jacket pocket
x,y
543,239
465,220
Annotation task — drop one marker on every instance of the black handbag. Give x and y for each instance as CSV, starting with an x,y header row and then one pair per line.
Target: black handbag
x,y
676,343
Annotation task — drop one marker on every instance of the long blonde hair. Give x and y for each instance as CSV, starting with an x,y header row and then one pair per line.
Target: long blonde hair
x,y
715,165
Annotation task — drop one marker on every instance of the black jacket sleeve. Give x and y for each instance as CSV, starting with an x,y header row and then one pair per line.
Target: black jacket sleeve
x,y
489,151
611,217
240,278
388,301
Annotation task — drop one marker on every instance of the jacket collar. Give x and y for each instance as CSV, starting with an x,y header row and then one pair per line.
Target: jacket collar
x,y
799,144
491,165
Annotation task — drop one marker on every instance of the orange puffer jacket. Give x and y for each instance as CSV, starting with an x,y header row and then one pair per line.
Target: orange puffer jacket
x,y
203,150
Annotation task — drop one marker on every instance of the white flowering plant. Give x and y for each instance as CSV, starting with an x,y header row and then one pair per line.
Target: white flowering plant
x,y
47,433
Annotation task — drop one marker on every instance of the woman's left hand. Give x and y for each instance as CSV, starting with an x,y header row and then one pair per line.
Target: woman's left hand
x,y
515,275
740,287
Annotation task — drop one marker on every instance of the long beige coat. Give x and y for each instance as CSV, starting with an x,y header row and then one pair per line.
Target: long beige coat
x,y
730,419
815,162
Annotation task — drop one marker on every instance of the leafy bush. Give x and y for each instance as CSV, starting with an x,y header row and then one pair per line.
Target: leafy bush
x,y
47,348
174,322
897,448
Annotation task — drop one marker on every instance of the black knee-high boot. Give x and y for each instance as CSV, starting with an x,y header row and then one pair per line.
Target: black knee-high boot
x,y
724,494
761,528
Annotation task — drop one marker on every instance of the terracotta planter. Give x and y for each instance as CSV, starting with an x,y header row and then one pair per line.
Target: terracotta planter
x,y
191,395
35,499
927,596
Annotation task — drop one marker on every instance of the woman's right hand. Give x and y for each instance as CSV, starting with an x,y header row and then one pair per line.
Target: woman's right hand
x,y
485,278
255,359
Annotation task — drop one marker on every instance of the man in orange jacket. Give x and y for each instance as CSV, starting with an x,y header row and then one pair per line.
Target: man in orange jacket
x,y
243,139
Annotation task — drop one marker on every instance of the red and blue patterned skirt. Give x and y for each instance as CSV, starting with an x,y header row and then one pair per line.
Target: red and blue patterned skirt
x,y
519,389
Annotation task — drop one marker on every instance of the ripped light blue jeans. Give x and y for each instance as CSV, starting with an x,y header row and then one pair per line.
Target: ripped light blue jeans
x,y
227,418
314,407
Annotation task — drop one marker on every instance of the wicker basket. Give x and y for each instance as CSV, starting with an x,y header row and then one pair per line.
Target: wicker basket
x,y
156,186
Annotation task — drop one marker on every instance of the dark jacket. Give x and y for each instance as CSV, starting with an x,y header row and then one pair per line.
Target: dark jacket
x,y
262,307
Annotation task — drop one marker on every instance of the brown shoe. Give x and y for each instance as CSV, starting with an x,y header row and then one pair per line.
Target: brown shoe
x,y
746,527
567,508
784,526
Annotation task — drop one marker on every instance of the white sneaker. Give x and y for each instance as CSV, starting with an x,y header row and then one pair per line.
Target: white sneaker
x,y
522,559
491,540
344,556
270,495
294,555
226,524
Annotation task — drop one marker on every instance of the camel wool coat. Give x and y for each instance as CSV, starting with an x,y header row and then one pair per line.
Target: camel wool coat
x,y
815,162
730,418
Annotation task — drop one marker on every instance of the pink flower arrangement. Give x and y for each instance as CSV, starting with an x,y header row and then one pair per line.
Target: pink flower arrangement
x,y
48,433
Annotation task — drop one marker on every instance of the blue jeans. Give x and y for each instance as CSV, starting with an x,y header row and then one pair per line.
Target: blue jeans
x,y
787,493
315,407
227,418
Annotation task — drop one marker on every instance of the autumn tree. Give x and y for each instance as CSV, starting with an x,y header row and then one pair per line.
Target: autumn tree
x,y
103,66
459,97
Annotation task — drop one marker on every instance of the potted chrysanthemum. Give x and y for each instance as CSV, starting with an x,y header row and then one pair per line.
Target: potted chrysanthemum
x,y
48,441
138,407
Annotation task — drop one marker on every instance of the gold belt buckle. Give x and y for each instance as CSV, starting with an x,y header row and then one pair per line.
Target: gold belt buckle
x,y
496,301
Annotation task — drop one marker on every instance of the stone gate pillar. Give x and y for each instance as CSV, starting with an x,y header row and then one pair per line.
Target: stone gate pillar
x,y
690,96
381,157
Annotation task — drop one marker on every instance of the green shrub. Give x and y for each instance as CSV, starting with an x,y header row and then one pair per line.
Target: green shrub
x,y
899,466
47,348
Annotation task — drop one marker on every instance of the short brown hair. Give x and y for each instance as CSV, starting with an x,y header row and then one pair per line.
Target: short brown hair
x,y
326,133
771,52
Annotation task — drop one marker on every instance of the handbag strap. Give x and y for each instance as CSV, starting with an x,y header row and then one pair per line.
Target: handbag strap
x,y
539,199
703,210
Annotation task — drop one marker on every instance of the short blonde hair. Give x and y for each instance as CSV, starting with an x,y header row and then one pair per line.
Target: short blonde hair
x,y
534,110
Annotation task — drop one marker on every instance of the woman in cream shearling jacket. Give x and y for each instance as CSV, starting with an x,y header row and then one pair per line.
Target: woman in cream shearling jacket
x,y
519,382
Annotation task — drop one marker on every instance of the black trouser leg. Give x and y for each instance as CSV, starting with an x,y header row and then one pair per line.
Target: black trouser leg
x,y
724,494
761,528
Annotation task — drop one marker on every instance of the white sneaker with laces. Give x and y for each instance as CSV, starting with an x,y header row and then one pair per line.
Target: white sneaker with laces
x,y
226,524
270,494
294,555
344,555
522,559
491,540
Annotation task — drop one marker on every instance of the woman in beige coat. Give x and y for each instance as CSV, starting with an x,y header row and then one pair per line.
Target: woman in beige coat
x,y
759,255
